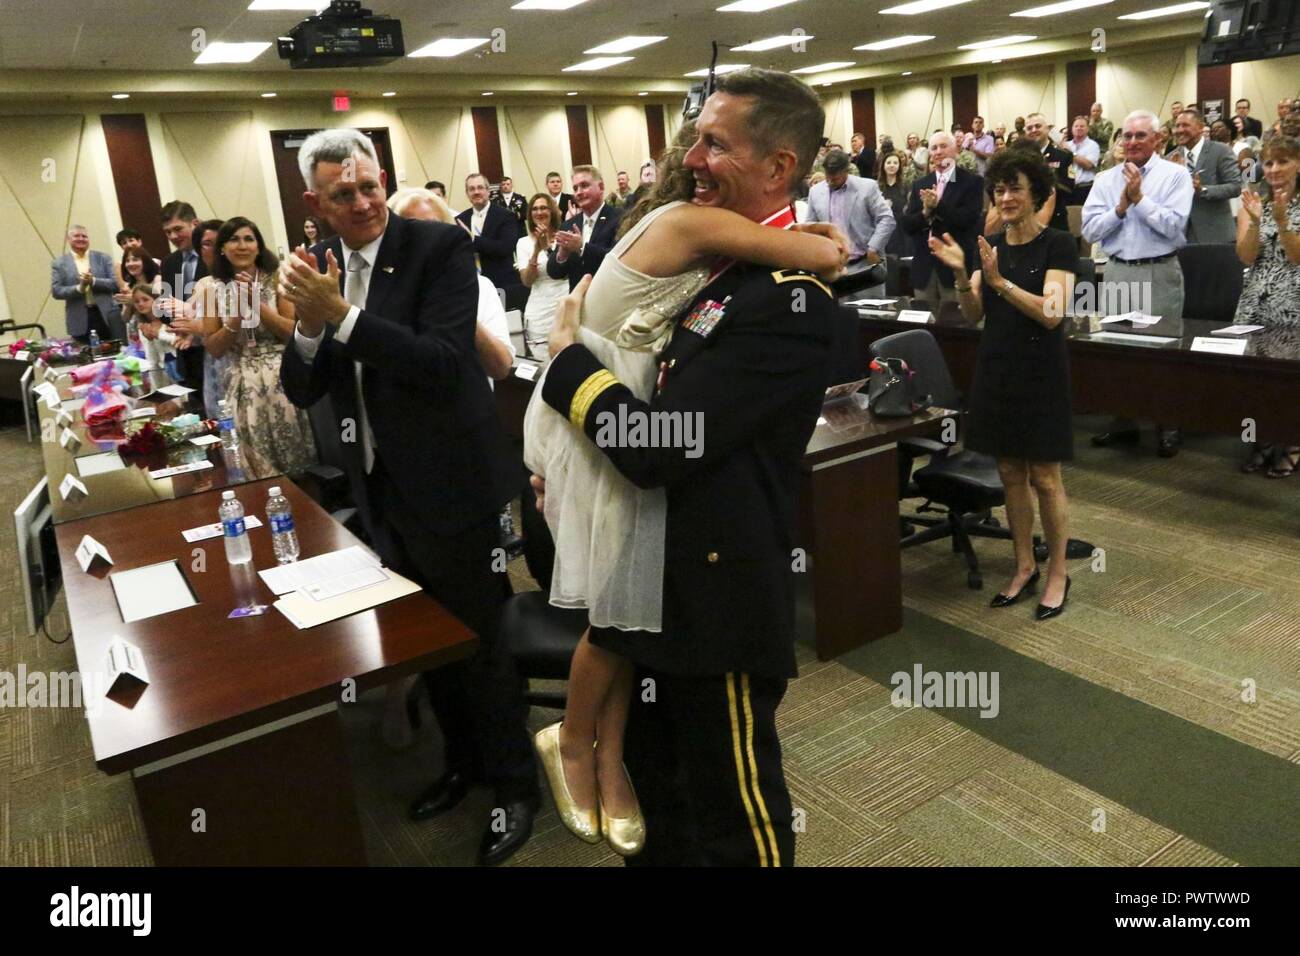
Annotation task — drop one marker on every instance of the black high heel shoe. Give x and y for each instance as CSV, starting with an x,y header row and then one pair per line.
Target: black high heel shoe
x,y
1003,600
1045,613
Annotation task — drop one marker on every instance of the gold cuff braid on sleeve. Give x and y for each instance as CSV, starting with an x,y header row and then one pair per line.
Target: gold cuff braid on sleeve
x,y
587,393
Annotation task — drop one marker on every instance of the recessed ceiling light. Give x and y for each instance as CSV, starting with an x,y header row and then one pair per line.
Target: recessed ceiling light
x,y
389,93
1164,11
314,5
826,84
597,63
547,4
121,96
995,61
771,43
624,45
906,73
997,41
1063,7
720,68
571,93
487,93
268,96
923,6
450,46
643,93
220,52
896,41
824,67
753,6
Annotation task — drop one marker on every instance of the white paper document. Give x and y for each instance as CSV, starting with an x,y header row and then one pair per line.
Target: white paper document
x,y
1137,318
526,370
99,464
1128,338
178,391
344,583
870,301
913,315
317,571
180,469
214,530
144,411
305,612
1236,330
202,440
152,590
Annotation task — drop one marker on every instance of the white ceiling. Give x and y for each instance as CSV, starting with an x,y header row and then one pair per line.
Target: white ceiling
x,y
128,35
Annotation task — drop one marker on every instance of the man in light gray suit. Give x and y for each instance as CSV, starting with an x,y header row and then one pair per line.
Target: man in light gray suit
x,y
85,281
855,205
1214,175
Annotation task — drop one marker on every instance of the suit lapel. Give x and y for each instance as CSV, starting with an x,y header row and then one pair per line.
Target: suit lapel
x,y
386,265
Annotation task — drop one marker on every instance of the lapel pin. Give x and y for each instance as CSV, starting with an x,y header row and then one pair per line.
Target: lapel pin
x,y
388,269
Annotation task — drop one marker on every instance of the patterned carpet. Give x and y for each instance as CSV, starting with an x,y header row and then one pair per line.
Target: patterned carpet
x,y
1122,736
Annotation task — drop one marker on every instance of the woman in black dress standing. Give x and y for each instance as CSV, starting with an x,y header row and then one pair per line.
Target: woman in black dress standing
x,y
1020,399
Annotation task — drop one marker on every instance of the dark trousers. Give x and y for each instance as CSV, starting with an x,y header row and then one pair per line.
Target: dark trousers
x,y
479,701
191,362
94,322
705,760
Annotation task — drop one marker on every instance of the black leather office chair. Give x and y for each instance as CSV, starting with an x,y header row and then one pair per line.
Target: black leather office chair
x,y
540,638
1085,277
964,483
1212,277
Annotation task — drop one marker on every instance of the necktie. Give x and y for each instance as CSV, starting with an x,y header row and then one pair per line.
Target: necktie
x,y
938,188
355,293
187,274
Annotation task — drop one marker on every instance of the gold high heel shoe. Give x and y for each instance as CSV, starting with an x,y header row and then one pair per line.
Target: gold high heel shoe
x,y
625,835
584,824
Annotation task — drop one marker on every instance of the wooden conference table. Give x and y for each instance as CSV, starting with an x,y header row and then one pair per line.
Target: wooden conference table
x,y
240,718
1165,382
848,515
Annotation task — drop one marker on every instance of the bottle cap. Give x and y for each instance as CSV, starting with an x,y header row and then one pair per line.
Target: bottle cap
x,y
227,495
273,490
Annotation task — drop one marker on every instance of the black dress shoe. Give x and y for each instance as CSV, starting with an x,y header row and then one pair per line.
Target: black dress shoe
x,y
1170,441
508,829
442,795
1128,436
1004,600
1045,613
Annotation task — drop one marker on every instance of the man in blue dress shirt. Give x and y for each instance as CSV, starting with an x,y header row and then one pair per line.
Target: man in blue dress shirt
x,y
1138,212
856,206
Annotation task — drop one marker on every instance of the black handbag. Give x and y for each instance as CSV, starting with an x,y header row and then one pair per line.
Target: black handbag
x,y
891,389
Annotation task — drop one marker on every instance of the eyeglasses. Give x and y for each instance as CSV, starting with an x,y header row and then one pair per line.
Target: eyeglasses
x,y
1138,135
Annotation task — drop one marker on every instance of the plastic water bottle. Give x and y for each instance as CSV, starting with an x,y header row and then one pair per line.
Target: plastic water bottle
x,y
226,425
279,515
238,550
94,339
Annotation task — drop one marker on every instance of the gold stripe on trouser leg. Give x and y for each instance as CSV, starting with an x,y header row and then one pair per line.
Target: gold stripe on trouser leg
x,y
753,770
733,714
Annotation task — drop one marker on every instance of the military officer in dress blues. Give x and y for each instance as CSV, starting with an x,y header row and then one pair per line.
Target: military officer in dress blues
x,y
750,354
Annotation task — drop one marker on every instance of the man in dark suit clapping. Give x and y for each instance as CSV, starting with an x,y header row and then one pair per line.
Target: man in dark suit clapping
x,y
583,241
385,326
494,230
947,200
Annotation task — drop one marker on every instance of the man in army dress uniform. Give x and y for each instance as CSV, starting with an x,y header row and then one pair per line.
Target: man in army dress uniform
x,y
749,355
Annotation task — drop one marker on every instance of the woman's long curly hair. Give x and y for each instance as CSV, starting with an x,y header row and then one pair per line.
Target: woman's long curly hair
x,y
673,181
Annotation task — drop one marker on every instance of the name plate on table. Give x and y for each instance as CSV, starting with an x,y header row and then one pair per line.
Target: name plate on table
x,y
68,439
63,419
40,363
22,356
1205,343
914,315
89,550
125,665
180,469
50,375
527,371
71,488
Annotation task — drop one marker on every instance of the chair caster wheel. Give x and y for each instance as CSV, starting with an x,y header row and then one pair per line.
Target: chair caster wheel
x,y
975,581
1040,551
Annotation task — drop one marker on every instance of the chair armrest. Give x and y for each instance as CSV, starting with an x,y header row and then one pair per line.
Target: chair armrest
x,y
923,446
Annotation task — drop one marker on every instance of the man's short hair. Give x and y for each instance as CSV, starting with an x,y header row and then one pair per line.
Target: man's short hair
x,y
176,209
124,234
74,227
434,184
786,114
648,164
591,171
476,176
941,134
1147,115
403,199
554,175
1032,115
1194,113
332,146
836,161
980,118
1241,100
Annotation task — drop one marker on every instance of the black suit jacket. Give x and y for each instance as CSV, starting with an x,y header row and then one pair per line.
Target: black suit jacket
x,y
960,212
603,236
866,162
1254,127
1059,161
563,201
172,271
496,246
756,380
427,397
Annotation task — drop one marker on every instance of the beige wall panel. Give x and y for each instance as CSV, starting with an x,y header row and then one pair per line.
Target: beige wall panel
x,y
535,138
912,108
438,148
215,165
1019,91
619,140
1150,80
1264,82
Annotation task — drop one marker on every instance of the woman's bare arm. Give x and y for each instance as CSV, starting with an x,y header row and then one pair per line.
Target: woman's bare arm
x,y
687,235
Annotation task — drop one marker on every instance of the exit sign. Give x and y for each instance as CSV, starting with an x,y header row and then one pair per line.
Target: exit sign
x,y
342,104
